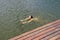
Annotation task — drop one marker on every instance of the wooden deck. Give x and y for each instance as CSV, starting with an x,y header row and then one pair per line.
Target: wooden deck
x,y
50,31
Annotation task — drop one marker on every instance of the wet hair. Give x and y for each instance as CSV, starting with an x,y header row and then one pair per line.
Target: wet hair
x,y
31,16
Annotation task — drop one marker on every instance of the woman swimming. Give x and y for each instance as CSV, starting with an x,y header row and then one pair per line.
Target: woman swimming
x,y
27,20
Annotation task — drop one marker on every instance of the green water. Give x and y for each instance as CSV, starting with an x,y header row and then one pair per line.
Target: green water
x,y
11,11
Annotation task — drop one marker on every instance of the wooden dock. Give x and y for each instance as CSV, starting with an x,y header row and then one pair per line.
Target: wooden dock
x,y
50,31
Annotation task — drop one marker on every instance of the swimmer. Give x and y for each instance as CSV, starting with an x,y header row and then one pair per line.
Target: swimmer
x,y
29,19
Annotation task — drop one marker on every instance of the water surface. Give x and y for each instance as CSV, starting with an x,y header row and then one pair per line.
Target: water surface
x,y
11,11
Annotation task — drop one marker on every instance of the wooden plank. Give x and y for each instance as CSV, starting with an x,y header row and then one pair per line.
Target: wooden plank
x,y
40,32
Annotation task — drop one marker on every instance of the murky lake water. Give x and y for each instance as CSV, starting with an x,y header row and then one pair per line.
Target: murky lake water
x,y
11,11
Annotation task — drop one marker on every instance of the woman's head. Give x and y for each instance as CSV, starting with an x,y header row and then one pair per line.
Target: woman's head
x,y
30,16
